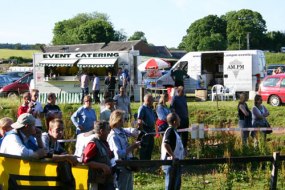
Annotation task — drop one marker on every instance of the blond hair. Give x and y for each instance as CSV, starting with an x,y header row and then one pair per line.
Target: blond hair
x,y
55,122
115,117
5,121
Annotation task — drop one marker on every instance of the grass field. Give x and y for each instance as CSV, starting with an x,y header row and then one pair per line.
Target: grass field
x,y
211,177
6,53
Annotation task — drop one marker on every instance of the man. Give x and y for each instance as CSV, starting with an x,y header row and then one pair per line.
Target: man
x,y
84,83
122,102
25,140
179,105
110,82
178,76
146,121
96,89
99,158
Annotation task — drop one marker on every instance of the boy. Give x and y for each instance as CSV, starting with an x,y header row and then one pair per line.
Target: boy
x,y
171,149
109,107
37,109
51,110
53,148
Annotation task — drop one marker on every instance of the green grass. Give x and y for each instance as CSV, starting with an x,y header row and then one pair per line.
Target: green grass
x,y
272,58
6,53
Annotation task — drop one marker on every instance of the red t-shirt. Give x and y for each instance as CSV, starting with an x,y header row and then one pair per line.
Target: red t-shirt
x,y
22,109
91,151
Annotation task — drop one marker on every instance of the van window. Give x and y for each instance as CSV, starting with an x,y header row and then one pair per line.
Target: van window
x,y
270,82
282,85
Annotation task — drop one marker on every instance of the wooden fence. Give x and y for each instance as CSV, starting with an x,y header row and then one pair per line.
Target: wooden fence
x,y
275,160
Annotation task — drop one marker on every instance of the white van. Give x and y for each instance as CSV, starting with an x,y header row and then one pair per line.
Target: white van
x,y
242,70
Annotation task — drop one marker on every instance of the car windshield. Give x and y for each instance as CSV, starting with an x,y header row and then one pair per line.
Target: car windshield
x,y
270,82
275,66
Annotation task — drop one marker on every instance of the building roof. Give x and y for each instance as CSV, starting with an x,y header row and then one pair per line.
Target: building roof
x,y
144,49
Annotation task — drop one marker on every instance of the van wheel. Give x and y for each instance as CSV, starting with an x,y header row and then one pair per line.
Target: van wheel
x,y
12,95
274,100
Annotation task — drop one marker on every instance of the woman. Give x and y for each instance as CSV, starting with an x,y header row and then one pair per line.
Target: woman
x,y
118,142
245,118
259,115
84,117
162,112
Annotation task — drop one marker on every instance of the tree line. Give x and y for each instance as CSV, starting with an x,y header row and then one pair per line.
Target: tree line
x,y
243,29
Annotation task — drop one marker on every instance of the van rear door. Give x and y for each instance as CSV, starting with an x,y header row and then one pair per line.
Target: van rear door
x,y
238,71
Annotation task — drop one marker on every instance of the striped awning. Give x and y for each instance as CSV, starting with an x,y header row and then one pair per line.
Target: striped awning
x,y
58,62
97,62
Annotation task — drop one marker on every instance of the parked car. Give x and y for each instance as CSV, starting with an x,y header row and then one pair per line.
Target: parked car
x,y
272,89
16,75
5,80
18,87
270,68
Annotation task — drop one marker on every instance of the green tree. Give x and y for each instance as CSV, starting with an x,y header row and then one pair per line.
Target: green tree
x,y
120,35
83,28
95,31
208,33
243,24
274,41
138,35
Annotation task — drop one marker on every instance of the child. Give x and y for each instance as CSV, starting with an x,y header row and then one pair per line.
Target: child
x,y
52,146
109,107
172,148
5,127
51,110
37,109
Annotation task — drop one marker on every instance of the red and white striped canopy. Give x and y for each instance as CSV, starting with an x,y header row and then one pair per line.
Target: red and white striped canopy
x,y
153,63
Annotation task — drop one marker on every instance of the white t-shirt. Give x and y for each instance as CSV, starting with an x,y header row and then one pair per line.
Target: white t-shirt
x,y
96,83
81,143
39,109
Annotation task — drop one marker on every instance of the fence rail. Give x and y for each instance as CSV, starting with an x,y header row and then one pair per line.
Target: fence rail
x,y
275,160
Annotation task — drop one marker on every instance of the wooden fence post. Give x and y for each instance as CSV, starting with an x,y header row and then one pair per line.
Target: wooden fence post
x,y
173,172
274,172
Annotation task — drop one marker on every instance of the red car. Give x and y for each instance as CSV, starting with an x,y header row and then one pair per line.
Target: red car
x,y
18,87
272,89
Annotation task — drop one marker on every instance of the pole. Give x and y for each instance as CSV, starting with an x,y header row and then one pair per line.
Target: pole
x,y
274,172
247,40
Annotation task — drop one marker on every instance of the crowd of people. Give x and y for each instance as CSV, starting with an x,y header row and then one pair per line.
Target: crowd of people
x,y
101,135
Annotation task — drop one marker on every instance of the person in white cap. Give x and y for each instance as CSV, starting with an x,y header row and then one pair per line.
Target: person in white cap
x,y
25,139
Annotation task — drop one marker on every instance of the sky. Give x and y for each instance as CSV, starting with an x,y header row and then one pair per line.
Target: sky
x,y
164,22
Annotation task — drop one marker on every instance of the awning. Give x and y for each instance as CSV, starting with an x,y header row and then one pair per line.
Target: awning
x,y
58,62
97,62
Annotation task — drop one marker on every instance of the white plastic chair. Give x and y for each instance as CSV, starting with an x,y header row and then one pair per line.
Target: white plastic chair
x,y
230,92
218,92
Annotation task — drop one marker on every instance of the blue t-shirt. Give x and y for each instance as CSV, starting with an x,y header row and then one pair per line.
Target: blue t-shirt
x,y
179,104
148,117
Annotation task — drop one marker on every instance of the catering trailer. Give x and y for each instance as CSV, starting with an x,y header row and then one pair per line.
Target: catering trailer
x,y
59,72
242,70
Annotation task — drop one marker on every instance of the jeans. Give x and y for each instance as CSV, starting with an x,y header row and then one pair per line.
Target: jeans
x,y
167,170
124,179
244,134
84,92
147,143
